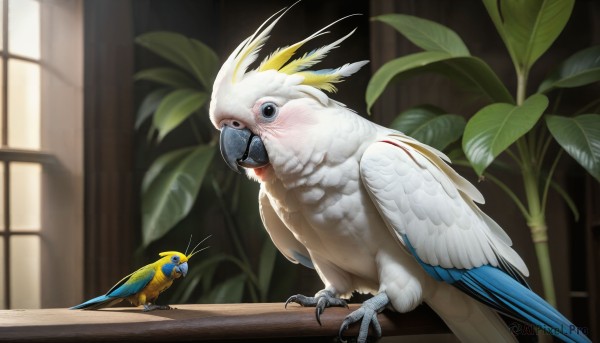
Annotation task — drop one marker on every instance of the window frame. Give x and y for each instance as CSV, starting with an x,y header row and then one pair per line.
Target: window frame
x,y
60,154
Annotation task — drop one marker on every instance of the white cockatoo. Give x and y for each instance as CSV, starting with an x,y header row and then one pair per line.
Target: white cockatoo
x,y
369,208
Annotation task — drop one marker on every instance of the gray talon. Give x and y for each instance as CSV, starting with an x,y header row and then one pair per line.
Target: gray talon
x,y
152,307
322,300
367,315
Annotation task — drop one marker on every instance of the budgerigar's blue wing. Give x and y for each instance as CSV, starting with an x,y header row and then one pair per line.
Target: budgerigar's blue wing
x,y
133,283
129,285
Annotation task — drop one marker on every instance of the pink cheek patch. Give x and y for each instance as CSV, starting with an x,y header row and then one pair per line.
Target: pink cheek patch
x,y
291,123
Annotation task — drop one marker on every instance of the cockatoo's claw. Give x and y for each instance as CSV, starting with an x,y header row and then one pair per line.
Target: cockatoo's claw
x,y
367,314
152,307
320,301
302,300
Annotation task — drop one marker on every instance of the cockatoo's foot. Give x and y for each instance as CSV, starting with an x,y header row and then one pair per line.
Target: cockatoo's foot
x,y
367,313
152,307
320,301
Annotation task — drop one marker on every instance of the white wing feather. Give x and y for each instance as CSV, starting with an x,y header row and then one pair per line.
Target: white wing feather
x,y
421,197
281,236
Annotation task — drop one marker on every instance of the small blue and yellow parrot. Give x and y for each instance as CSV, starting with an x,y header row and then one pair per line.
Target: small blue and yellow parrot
x,y
143,286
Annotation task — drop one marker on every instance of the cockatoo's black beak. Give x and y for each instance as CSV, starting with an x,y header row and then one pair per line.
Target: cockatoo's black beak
x,y
241,148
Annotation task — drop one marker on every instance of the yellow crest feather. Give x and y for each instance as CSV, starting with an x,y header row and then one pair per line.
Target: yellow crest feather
x,y
320,80
169,253
279,60
279,57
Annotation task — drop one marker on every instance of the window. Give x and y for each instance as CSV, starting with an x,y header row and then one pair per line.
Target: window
x,y
40,151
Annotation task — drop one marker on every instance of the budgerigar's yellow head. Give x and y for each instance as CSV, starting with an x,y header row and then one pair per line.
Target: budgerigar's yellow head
x,y
175,264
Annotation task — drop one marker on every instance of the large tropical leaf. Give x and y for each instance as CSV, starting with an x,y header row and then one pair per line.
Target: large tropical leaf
x,y
580,69
475,75
189,54
166,76
393,68
426,34
170,189
176,107
203,271
149,105
430,125
580,137
529,27
495,127
229,291
265,267
469,71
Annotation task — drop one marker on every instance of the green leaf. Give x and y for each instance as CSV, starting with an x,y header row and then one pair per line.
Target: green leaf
x,y
430,125
426,34
265,267
163,164
529,27
171,189
175,108
202,271
149,105
393,68
187,288
475,75
166,76
580,137
580,69
468,71
228,292
189,54
495,127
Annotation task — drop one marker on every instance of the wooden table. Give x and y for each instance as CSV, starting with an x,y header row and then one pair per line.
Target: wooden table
x,y
222,322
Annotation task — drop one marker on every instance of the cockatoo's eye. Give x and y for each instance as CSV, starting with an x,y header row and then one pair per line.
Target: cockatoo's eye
x,y
269,110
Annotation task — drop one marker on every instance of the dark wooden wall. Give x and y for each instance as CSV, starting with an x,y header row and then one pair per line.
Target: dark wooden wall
x,y
110,207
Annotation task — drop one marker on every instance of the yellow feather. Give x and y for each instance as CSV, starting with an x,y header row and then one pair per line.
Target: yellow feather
x,y
169,253
299,64
247,51
278,58
320,81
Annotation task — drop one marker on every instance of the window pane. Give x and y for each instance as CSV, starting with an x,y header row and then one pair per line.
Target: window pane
x,y
2,291
23,104
24,28
1,24
25,196
1,200
25,272
1,96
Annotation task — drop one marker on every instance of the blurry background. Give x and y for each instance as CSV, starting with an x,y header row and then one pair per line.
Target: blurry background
x,y
73,161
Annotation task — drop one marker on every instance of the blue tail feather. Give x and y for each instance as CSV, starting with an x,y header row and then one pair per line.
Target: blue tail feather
x,y
523,303
96,303
508,295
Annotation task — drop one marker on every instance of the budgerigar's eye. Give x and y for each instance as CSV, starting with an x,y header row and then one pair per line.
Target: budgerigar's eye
x,y
268,110
175,259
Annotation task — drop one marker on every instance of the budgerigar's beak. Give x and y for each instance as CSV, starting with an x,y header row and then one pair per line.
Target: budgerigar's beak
x,y
183,268
241,148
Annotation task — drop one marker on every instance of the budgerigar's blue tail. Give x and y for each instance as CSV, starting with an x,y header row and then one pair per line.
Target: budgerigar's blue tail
x,y
97,303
